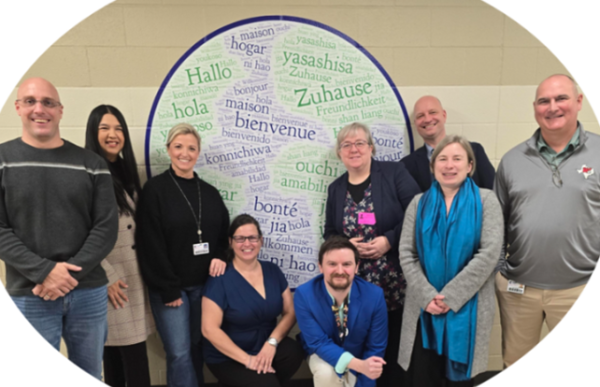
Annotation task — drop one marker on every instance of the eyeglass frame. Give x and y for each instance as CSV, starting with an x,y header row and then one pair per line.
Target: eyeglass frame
x,y
347,146
239,239
21,101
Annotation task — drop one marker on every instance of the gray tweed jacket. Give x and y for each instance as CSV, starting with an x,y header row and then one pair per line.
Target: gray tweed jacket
x,y
476,277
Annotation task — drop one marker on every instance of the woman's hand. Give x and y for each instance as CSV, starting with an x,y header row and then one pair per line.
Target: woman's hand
x,y
217,267
356,241
174,304
433,308
252,364
116,295
264,359
376,248
439,300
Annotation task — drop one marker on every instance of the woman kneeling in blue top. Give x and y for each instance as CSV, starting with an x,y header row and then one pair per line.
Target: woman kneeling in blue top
x,y
245,346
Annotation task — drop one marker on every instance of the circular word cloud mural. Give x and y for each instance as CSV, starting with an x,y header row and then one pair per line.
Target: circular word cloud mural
x,y
268,96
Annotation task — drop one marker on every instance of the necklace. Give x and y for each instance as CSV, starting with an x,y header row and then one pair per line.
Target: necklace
x,y
341,325
199,218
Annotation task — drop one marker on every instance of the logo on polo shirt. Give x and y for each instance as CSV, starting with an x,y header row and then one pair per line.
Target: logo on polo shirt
x,y
587,171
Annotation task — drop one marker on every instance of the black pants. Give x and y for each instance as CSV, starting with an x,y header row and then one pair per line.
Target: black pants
x,y
393,374
428,369
126,366
286,362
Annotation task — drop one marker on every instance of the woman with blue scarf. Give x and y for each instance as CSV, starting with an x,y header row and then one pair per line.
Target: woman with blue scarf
x,y
450,244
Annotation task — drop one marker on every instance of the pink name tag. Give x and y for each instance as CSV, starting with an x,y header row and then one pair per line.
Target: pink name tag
x,y
367,218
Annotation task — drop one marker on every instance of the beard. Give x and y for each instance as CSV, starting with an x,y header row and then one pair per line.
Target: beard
x,y
338,286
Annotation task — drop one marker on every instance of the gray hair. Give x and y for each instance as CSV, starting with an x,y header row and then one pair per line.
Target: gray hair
x,y
182,128
352,129
452,139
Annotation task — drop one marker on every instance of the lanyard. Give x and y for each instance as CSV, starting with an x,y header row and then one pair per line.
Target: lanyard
x,y
199,218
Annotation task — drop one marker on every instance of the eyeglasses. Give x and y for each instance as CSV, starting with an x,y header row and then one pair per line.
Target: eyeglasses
x,y
31,102
242,239
360,145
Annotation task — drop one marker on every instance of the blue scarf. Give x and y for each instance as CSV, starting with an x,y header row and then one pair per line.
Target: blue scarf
x,y
445,245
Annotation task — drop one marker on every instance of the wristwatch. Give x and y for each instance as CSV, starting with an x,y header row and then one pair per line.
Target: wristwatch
x,y
272,341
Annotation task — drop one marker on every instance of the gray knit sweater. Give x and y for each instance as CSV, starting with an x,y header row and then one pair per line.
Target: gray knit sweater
x,y
56,205
476,278
552,233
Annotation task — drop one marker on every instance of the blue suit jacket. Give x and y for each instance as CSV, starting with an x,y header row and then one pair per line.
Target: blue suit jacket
x,y
392,189
367,323
417,164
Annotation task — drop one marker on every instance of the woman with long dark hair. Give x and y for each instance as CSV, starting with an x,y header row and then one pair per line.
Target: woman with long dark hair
x,y
129,315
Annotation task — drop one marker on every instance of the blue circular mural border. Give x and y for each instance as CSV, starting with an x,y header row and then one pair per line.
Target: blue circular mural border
x,y
213,34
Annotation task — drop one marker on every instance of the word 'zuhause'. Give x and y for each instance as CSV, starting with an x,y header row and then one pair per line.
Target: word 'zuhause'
x,y
329,95
311,76
282,130
237,154
317,62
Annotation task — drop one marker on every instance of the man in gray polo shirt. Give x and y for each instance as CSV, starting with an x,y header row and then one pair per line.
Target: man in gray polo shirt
x,y
549,190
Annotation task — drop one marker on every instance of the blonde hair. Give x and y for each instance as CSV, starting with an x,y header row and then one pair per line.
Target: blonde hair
x,y
351,130
452,139
182,128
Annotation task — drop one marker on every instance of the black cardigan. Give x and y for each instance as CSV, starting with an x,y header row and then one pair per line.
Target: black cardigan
x,y
167,231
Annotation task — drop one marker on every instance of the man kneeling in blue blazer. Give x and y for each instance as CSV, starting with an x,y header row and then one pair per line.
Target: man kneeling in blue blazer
x,y
343,320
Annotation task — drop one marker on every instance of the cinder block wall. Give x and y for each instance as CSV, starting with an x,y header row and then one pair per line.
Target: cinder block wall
x,y
482,65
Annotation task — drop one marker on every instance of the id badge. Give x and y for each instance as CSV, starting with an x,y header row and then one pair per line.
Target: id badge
x,y
200,248
366,218
515,287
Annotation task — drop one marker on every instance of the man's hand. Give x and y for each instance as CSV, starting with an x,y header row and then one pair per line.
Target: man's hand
x,y
372,367
58,283
116,295
217,267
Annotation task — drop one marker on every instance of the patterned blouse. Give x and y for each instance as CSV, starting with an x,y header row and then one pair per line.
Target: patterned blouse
x,y
382,272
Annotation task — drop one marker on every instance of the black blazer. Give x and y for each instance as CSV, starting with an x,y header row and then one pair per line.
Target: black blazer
x,y
417,164
392,189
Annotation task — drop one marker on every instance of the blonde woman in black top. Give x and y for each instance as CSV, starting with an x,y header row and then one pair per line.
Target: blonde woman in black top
x,y
182,230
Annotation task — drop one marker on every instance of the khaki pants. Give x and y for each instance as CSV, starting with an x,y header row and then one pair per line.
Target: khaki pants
x,y
324,375
522,315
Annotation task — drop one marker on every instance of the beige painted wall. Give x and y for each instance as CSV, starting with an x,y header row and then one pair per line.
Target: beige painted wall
x,y
481,64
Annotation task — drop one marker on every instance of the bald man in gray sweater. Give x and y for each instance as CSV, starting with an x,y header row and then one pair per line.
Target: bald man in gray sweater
x,y
58,220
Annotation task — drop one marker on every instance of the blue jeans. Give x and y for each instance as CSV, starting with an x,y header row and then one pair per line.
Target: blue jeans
x,y
181,333
80,317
